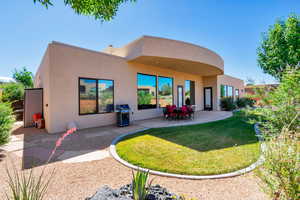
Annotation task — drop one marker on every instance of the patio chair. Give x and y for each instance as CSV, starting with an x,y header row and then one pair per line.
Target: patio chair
x,y
191,112
169,112
184,112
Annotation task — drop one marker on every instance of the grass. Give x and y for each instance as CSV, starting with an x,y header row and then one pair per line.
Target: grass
x,y
203,149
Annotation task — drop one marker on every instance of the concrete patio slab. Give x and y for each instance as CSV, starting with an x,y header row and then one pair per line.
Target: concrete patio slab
x,y
96,155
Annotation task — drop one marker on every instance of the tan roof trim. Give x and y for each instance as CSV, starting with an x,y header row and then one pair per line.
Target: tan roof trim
x,y
84,49
179,41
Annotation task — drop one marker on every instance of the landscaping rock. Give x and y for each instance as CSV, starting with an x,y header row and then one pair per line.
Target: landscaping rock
x,y
156,192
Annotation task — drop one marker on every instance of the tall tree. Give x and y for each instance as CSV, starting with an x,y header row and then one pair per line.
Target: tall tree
x,y
104,10
24,77
280,47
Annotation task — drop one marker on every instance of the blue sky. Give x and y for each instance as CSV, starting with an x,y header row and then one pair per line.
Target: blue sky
x,y
232,28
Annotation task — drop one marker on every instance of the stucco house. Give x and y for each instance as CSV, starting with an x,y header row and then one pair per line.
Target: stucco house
x,y
83,86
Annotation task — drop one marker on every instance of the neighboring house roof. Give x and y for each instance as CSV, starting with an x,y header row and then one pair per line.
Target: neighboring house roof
x,y
251,89
262,86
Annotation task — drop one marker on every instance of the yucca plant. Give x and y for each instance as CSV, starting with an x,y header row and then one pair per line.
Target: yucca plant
x,y
32,187
27,186
139,184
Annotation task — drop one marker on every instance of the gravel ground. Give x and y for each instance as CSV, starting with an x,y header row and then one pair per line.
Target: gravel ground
x,y
81,180
76,181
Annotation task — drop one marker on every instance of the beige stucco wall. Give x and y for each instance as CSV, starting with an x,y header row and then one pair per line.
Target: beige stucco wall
x,y
68,63
62,65
42,80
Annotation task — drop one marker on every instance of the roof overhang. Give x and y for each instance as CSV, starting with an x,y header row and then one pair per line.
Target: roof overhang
x,y
180,65
172,54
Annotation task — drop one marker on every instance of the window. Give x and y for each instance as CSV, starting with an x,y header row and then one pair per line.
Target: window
x,y
146,91
165,91
88,95
226,91
189,92
105,96
230,91
223,91
95,96
237,93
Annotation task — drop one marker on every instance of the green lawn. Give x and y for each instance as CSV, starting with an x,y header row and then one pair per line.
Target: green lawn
x,y
211,148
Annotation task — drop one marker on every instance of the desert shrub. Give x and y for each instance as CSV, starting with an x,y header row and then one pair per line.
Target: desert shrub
x,y
280,123
244,102
284,105
281,169
27,186
6,122
12,92
227,104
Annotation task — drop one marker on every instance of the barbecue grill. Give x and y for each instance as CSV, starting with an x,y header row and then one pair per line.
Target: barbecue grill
x,y
123,115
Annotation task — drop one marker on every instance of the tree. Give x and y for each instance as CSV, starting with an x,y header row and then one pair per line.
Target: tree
x,y
105,10
12,92
24,77
166,90
280,47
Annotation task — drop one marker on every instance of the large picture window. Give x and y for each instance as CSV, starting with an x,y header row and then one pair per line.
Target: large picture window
x,y
95,96
146,91
165,91
189,92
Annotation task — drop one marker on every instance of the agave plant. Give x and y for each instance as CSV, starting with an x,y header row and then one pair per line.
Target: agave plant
x,y
27,187
139,184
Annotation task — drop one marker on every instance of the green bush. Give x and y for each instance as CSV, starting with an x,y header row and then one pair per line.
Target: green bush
x,y
6,122
279,123
284,105
227,104
12,92
244,102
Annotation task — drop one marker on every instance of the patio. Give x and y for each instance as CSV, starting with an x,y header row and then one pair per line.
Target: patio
x,y
31,147
35,145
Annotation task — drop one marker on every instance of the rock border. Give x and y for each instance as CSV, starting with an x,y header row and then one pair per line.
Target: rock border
x,y
260,160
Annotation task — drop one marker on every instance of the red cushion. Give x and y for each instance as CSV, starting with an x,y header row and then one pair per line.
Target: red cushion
x,y
37,116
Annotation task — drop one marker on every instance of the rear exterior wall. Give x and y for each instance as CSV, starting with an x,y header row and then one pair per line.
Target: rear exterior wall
x,y
65,64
